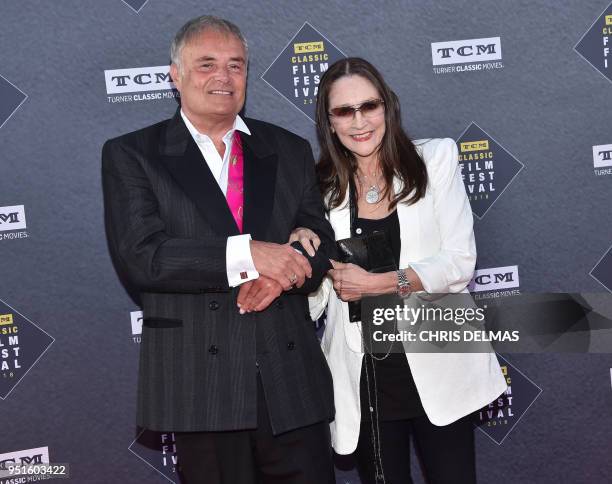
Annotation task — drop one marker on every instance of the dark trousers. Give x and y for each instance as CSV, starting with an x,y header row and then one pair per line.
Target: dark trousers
x,y
301,456
446,453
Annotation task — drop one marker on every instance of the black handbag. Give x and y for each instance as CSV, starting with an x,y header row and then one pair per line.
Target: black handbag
x,y
370,252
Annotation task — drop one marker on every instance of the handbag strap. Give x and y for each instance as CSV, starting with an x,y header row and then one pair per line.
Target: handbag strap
x,y
352,205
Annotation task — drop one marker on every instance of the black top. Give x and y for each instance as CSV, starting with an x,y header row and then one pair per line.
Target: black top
x,y
397,394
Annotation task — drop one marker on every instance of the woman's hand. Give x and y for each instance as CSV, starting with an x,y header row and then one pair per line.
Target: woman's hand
x,y
309,240
351,282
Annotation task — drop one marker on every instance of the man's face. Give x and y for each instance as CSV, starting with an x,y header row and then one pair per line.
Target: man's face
x,y
212,78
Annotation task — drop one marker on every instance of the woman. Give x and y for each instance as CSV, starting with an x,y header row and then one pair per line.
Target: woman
x,y
415,194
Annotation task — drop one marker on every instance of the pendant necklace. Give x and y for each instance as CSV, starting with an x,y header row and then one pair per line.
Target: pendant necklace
x,y
372,195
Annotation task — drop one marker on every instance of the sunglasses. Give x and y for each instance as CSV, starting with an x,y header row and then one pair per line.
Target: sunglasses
x,y
368,108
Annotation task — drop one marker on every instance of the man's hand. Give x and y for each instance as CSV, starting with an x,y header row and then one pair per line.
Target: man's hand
x,y
257,295
309,240
280,262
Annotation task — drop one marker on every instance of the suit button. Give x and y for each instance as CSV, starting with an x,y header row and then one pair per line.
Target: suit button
x,y
213,350
290,345
279,304
213,305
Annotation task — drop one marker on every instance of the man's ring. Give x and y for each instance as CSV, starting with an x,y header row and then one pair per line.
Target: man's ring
x,y
293,279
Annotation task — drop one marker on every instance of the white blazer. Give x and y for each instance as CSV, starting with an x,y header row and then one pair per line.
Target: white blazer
x,y
437,241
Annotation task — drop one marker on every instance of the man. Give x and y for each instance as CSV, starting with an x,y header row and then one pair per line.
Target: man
x,y
198,212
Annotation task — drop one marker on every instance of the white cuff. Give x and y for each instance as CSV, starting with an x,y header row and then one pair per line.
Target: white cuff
x,y
239,262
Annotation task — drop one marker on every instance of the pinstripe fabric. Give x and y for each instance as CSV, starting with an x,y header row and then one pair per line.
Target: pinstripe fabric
x,y
167,223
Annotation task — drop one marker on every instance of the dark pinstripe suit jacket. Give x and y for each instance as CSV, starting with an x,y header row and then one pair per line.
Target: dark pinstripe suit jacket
x,y
167,223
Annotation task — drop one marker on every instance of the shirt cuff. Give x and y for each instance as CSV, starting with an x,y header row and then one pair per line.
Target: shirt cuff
x,y
240,266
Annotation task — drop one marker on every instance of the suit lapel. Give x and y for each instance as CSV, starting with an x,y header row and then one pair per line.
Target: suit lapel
x,y
182,158
260,163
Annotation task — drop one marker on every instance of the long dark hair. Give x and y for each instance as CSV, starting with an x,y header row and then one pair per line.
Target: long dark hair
x,y
396,153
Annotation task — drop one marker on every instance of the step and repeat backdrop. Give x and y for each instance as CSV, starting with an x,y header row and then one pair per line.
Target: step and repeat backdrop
x,y
525,88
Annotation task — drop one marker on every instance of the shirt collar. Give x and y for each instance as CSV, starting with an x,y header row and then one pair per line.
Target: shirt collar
x,y
239,125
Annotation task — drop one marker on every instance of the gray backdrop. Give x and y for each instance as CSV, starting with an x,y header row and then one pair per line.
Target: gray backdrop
x,y
545,104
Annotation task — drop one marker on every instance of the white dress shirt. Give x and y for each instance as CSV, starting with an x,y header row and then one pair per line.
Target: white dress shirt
x,y
239,262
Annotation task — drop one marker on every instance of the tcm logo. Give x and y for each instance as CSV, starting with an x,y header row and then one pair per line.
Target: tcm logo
x,y
467,146
462,51
12,218
121,81
495,278
136,319
602,156
39,455
6,319
307,47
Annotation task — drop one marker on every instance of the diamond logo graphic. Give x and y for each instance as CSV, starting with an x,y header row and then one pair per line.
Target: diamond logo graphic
x,y
500,417
602,272
595,44
135,5
296,72
487,168
157,450
22,344
11,98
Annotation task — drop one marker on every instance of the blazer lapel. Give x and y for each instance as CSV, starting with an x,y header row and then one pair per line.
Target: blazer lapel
x,y
340,219
409,221
182,158
260,163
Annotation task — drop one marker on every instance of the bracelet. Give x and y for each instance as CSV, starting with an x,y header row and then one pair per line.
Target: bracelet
x,y
404,288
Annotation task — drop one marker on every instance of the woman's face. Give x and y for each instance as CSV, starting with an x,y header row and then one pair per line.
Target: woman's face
x,y
359,134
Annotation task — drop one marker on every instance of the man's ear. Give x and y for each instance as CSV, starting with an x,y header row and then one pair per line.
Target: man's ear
x,y
174,74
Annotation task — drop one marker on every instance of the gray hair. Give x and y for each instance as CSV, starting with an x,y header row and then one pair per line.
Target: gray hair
x,y
198,25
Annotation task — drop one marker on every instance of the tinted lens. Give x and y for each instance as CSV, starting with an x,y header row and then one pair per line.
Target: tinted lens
x,y
343,112
367,108
370,106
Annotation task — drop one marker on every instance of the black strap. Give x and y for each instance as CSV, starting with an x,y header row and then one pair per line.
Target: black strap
x,y
352,205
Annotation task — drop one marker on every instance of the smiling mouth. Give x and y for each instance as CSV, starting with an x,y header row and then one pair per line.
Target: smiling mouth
x,y
362,136
218,92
